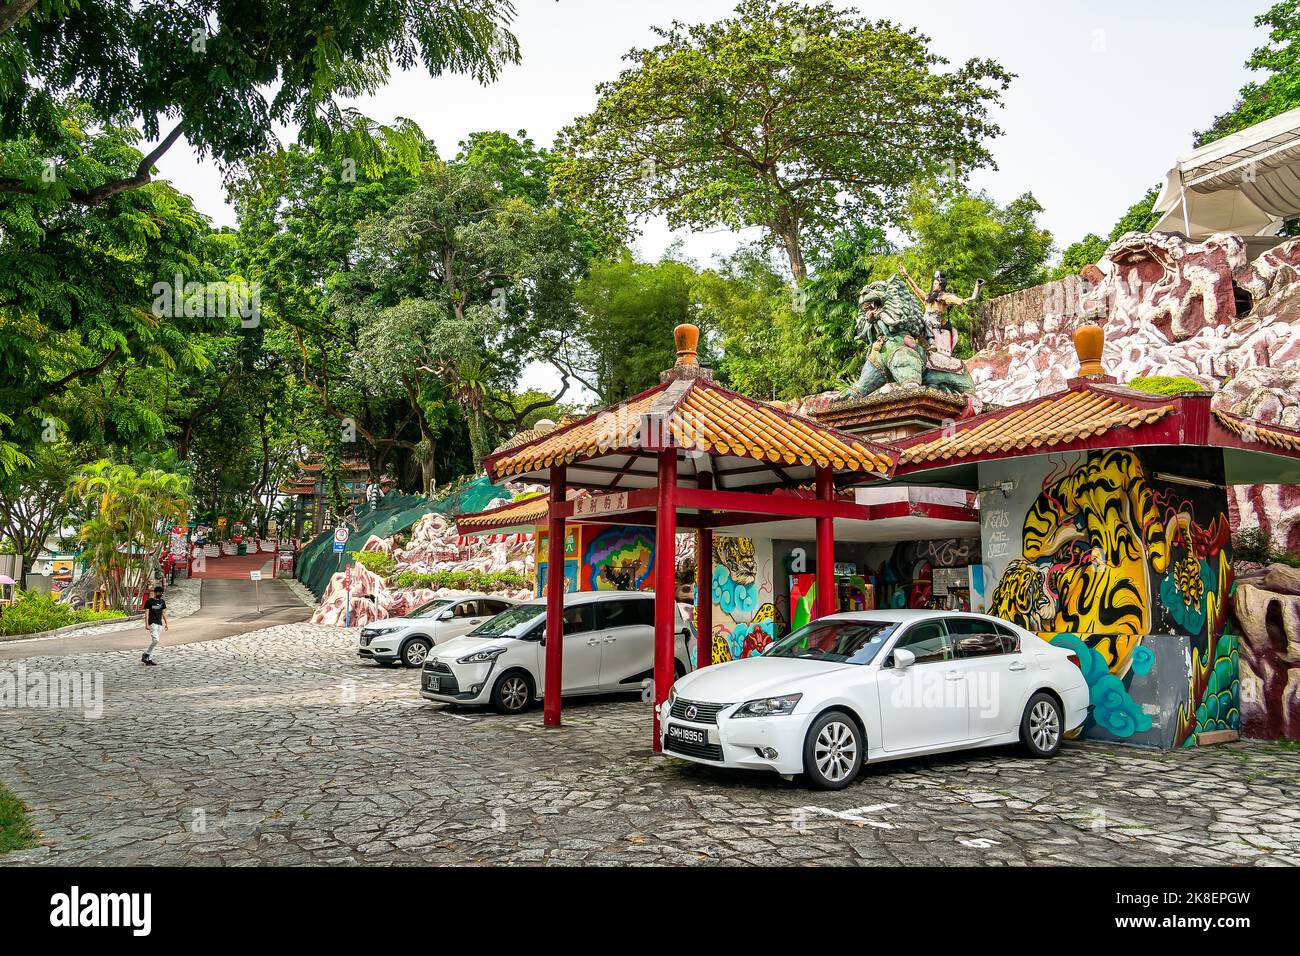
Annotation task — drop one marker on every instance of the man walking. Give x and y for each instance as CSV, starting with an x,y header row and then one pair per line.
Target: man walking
x,y
155,619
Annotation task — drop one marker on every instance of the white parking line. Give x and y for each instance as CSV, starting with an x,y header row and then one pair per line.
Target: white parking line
x,y
855,815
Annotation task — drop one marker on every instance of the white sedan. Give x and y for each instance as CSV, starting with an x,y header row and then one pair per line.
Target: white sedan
x,y
877,685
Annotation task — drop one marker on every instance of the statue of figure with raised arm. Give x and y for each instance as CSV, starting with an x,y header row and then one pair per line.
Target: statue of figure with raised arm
x,y
941,337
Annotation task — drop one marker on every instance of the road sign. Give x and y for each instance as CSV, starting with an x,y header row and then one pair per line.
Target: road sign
x,y
255,575
340,534
338,547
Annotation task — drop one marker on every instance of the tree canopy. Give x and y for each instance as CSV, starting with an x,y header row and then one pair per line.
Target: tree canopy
x,y
793,118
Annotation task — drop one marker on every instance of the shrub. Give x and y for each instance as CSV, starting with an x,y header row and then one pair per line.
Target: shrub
x,y
33,612
1253,545
1165,384
376,562
486,581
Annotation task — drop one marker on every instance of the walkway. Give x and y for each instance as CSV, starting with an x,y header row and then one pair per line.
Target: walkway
x,y
228,607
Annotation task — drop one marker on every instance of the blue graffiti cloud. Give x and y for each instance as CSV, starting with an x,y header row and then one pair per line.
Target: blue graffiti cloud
x,y
1112,707
1142,659
732,596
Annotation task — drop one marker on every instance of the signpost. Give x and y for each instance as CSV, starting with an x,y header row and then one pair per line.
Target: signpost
x,y
256,577
340,539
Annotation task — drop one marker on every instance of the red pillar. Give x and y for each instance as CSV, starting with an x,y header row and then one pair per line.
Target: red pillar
x,y
704,586
704,597
554,601
825,546
665,582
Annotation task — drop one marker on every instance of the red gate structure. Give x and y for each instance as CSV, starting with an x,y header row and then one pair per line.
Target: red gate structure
x,y
687,454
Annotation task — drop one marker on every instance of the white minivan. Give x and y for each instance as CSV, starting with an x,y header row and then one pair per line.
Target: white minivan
x,y
608,647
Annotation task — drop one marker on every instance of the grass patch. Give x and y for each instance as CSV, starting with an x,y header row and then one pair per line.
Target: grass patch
x,y
16,830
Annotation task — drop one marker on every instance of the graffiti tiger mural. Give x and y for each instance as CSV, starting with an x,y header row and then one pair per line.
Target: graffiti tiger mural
x,y
1108,557
744,621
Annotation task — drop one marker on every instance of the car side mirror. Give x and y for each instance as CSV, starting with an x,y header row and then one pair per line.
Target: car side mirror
x,y
445,616
903,658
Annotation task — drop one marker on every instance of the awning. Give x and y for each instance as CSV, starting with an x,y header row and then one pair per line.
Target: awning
x,y
1245,184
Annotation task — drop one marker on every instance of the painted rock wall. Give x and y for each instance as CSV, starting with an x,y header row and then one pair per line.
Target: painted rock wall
x,y
1267,615
1169,307
1097,552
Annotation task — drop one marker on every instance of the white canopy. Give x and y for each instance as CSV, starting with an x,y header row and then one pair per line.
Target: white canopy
x,y
1246,183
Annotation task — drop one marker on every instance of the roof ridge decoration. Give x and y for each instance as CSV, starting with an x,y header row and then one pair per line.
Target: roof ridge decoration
x,y
1279,436
1074,414
696,414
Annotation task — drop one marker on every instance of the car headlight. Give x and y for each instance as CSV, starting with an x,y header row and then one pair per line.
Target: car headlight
x,y
672,695
482,657
379,631
768,706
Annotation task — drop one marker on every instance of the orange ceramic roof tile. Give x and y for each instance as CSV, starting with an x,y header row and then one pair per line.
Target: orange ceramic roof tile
x,y
603,431
698,415
1251,431
1057,419
527,511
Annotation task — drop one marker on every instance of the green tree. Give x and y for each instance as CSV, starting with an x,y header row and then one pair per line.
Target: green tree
x,y
1279,62
788,117
33,502
455,287
969,237
128,525
78,285
203,69
623,337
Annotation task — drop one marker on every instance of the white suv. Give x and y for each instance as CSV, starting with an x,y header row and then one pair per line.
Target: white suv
x,y
408,639
608,647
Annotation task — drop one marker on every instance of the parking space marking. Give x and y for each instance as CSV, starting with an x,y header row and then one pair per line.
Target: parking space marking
x,y
855,815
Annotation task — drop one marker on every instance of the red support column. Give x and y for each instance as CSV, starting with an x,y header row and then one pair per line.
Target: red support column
x,y
665,582
825,546
554,601
704,586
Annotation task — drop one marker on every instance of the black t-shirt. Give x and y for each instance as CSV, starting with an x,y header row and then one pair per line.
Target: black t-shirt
x,y
155,607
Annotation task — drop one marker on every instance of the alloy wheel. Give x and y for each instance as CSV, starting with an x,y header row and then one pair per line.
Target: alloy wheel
x,y
514,693
416,653
1044,726
835,751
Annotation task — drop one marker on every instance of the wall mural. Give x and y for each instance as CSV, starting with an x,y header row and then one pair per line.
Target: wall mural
x,y
904,572
618,558
1099,553
744,612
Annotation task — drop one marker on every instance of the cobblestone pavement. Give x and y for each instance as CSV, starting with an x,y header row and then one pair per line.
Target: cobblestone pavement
x,y
280,746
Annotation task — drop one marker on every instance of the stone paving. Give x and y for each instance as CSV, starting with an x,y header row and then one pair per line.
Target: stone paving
x,y
280,746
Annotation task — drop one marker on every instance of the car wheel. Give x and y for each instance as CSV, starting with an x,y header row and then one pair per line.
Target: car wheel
x,y
1040,727
415,651
513,693
833,751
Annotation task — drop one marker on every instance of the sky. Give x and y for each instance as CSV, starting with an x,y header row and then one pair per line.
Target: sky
x,y
1107,94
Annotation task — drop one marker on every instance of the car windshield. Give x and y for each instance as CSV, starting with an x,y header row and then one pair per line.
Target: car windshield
x,y
428,609
509,620
837,642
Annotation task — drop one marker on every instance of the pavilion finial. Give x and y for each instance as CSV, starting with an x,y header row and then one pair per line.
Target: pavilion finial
x,y
686,339
1089,343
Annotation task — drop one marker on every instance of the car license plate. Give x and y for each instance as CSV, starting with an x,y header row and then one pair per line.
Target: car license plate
x,y
432,682
687,735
